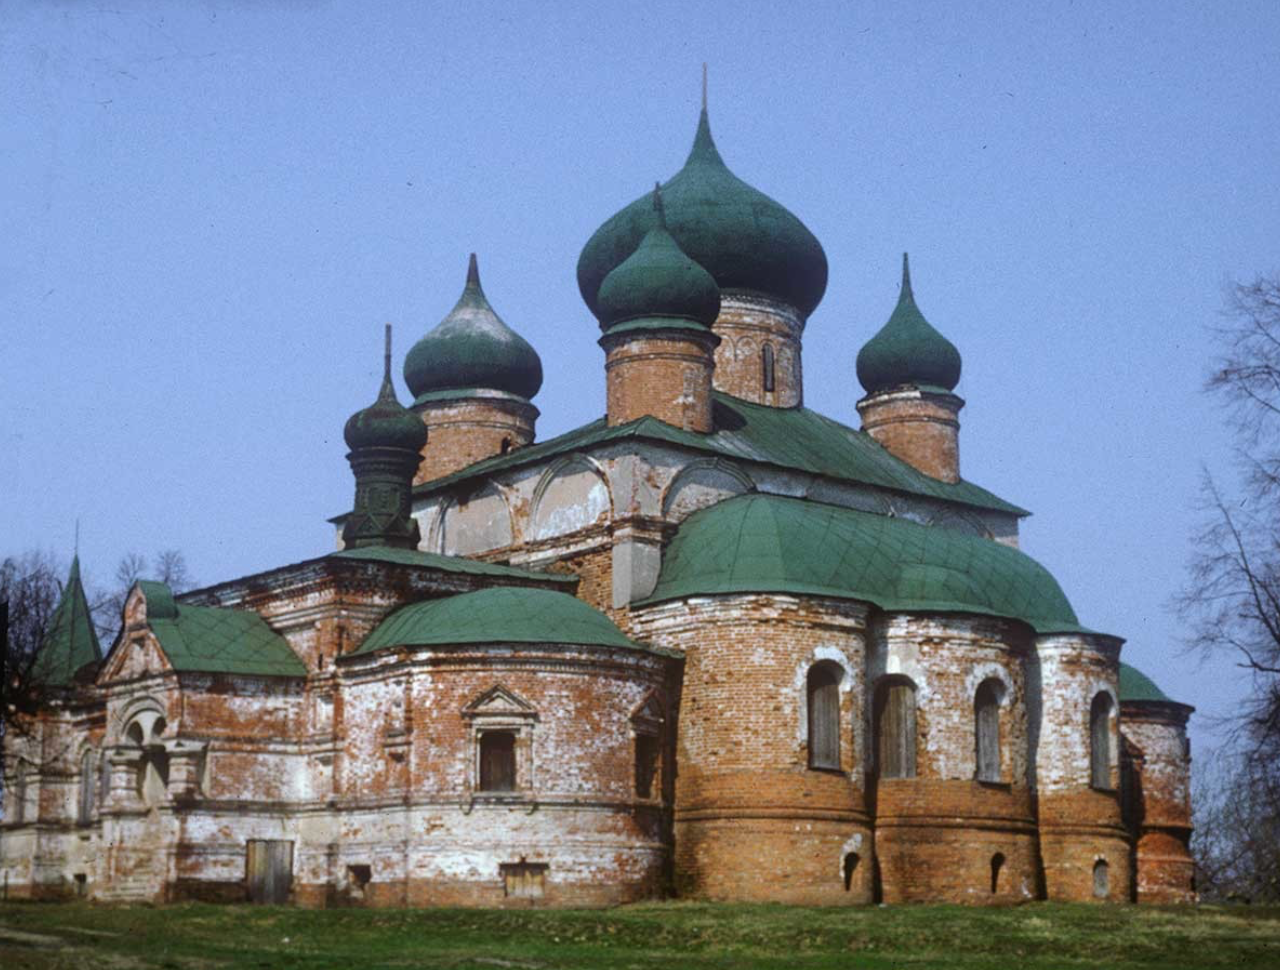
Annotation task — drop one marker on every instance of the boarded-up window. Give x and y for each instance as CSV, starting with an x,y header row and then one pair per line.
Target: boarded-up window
x,y
766,365
986,728
87,788
524,879
824,715
647,758
498,761
1101,879
1100,742
895,720
268,867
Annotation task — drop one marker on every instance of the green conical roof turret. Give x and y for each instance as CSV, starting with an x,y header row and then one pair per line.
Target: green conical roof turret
x,y
907,351
739,235
657,283
386,441
472,349
70,641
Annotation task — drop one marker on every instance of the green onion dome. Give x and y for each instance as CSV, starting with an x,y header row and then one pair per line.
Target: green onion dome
x,y
658,282
907,350
385,423
743,238
472,349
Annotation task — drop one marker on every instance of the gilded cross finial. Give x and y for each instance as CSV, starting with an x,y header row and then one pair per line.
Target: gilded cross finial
x,y
657,204
704,85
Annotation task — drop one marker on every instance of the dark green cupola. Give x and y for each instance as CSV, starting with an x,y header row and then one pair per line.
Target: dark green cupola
x,y
739,235
471,350
70,645
657,285
386,441
908,351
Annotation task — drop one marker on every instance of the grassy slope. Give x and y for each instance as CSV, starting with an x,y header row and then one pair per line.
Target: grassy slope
x,y
43,937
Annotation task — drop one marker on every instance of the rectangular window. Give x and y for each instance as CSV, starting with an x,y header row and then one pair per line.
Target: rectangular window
x,y
498,761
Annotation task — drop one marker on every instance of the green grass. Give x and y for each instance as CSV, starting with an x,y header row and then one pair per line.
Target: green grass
x,y
37,936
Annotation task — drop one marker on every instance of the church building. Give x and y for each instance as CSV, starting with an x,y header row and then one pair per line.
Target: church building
x,y
713,645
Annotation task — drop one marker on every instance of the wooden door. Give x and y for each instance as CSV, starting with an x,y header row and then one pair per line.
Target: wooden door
x,y
269,870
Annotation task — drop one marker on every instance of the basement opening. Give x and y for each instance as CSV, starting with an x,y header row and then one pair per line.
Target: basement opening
x,y
997,866
850,866
523,879
358,877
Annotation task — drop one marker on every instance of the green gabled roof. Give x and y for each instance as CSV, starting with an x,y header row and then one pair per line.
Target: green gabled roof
x,y
1137,686
788,437
209,639
503,614
70,641
768,543
448,564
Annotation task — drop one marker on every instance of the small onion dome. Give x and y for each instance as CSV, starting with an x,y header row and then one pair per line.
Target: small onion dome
x,y
472,349
743,238
385,423
658,282
907,350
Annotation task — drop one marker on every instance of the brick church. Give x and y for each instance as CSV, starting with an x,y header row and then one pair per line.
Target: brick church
x,y
712,645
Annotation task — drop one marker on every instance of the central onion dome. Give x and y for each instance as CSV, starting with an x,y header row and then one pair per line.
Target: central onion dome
x,y
743,238
657,285
472,349
908,350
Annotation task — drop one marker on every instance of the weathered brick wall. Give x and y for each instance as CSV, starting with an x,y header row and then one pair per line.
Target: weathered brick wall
x,y
1080,826
665,374
465,430
1161,800
747,323
939,835
753,821
920,427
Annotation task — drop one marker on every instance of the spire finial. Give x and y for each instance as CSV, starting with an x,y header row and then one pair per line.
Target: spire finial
x,y
77,545
906,280
658,206
386,356
473,272
704,85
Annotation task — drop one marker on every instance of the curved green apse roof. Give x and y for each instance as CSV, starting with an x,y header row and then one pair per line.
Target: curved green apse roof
x,y
472,348
214,640
70,641
1137,686
503,614
771,544
658,280
739,235
908,350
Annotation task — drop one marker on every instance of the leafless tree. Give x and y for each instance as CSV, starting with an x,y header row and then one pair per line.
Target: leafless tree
x,y
1231,604
168,566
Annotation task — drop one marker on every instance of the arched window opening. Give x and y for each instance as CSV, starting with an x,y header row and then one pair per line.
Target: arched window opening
x,y
498,761
766,366
1100,741
986,729
895,724
850,866
87,788
505,446
1101,879
823,688
997,866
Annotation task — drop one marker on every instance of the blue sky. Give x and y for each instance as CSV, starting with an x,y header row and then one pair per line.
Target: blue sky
x,y
212,208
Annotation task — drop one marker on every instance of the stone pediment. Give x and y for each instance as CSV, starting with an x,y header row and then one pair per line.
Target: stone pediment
x,y
499,702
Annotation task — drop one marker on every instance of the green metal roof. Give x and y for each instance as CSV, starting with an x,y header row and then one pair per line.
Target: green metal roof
x,y
209,639
768,543
908,350
503,614
448,564
70,641
739,235
472,347
1137,686
794,438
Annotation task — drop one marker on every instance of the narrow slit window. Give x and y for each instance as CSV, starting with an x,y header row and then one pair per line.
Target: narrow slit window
x,y
767,368
498,761
1101,879
1100,742
647,758
87,788
997,867
850,867
824,716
